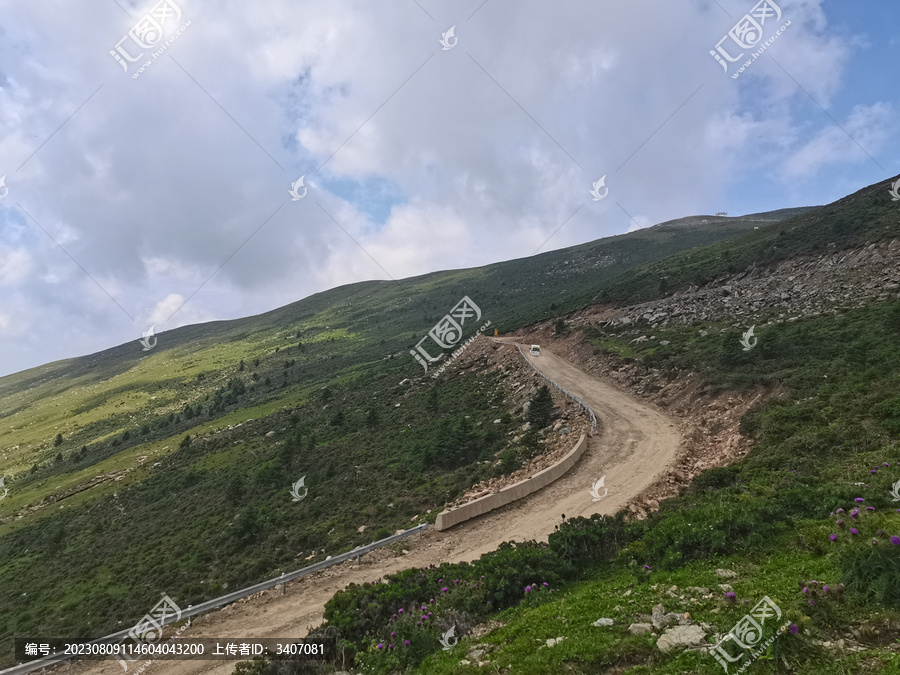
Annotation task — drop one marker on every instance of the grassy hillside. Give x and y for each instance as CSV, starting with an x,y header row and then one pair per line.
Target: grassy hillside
x,y
176,462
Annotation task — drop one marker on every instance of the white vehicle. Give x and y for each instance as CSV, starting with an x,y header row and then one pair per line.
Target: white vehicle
x,y
535,350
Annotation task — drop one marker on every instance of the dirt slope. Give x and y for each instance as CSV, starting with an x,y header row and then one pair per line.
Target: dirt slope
x,y
638,445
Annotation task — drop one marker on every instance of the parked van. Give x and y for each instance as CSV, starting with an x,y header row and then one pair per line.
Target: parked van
x,y
535,350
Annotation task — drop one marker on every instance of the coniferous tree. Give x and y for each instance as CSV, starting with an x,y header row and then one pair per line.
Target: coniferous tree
x,y
540,410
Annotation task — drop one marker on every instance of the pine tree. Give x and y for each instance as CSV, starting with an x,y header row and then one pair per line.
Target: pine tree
x,y
540,410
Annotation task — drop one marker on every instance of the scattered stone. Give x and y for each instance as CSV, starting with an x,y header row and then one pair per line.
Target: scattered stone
x,y
726,574
361,529
698,590
640,628
475,654
626,593
270,434
603,622
726,588
661,619
554,641
681,636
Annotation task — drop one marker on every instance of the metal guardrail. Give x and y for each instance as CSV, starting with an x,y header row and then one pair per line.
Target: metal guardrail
x,y
228,598
565,391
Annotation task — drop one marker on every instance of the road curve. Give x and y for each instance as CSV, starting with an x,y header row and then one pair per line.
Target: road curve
x,y
636,444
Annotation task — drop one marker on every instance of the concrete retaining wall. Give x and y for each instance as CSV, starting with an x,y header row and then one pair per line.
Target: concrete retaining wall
x,y
511,493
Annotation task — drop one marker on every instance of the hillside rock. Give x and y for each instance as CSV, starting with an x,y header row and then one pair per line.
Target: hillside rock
x,y
681,636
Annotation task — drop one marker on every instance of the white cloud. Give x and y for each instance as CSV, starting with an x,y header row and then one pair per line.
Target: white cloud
x,y
15,264
156,190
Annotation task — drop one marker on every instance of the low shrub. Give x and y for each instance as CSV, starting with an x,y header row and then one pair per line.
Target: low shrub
x,y
713,528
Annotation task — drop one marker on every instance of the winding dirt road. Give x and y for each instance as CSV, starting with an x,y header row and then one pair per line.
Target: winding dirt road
x,y
638,444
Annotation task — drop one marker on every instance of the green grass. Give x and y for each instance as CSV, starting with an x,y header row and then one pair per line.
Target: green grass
x,y
590,649
216,514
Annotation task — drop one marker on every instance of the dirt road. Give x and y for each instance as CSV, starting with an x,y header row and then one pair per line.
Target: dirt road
x,y
638,444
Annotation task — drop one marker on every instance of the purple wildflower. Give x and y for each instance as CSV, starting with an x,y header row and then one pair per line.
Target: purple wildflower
x,y
854,531
393,634
859,499
528,589
895,540
885,464
646,567
874,542
839,511
793,629
825,588
804,589
730,596
444,589
390,646
546,584
832,537
811,603
418,623
873,471
870,508
380,646
400,611
429,615
406,643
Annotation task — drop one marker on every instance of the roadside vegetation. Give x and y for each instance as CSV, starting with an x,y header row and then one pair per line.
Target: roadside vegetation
x,y
131,474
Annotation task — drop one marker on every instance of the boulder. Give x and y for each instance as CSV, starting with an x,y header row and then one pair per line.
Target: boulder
x,y
681,636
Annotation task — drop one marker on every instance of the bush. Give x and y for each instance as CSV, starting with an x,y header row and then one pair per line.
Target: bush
x,y
496,581
713,529
585,542
874,572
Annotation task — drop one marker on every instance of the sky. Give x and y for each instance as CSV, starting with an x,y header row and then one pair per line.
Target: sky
x,y
429,135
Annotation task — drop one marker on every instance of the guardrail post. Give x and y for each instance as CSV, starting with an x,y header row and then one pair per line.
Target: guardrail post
x,y
190,618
